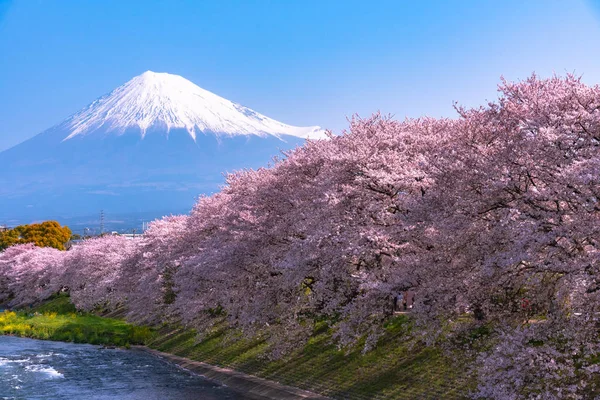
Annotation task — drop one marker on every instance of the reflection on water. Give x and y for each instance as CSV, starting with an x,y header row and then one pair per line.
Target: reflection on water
x,y
35,369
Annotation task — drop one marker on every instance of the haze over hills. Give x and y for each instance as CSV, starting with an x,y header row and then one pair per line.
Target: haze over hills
x,y
150,146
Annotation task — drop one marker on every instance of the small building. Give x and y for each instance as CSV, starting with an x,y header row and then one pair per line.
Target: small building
x,y
131,235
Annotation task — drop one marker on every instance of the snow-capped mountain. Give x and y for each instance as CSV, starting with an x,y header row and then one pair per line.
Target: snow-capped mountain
x,y
161,101
154,143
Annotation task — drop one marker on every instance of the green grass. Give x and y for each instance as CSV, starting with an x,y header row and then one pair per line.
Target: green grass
x,y
58,319
398,368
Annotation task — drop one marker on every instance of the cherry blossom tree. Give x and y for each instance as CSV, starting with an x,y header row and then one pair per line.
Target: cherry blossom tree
x,y
147,277
306,238
513,222
28,274
92,271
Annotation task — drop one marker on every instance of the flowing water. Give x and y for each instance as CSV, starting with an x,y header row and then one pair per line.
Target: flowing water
x,y
36,369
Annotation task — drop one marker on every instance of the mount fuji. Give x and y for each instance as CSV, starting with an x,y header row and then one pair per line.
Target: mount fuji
x,y
151,145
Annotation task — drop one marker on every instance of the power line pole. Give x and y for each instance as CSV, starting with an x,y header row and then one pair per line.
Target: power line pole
x,y
101,222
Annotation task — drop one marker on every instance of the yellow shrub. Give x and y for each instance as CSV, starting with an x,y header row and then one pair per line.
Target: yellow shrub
x,y
50,315
7,317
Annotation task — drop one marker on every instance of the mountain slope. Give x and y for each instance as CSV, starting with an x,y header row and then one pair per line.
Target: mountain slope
x,y
161,101
154,143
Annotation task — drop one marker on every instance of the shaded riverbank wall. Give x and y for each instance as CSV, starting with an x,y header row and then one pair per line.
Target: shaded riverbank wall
x,y
251,386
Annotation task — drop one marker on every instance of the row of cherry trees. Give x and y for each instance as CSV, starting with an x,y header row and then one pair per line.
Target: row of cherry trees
x,y
492,218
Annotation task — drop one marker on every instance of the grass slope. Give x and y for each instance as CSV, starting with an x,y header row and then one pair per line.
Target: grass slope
x,y
396,369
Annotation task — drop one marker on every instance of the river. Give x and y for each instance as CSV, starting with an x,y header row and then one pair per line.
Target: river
x,y
37,369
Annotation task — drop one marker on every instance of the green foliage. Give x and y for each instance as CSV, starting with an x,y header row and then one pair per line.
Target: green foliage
x,y
59,303
46,234
58,320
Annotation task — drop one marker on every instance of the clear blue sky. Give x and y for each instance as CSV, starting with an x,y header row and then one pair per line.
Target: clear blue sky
x,y
302,62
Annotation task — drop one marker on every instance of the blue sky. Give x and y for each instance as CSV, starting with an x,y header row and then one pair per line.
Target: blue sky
x,y
302,62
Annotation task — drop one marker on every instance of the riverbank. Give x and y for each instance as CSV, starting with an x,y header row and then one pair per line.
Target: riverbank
x,y
58,320
398,368
251,386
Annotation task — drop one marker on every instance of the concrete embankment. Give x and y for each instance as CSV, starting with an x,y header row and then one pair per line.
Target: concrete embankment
x,y
251,386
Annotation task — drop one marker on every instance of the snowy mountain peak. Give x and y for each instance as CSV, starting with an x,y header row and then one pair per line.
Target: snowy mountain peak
x,y
164,101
